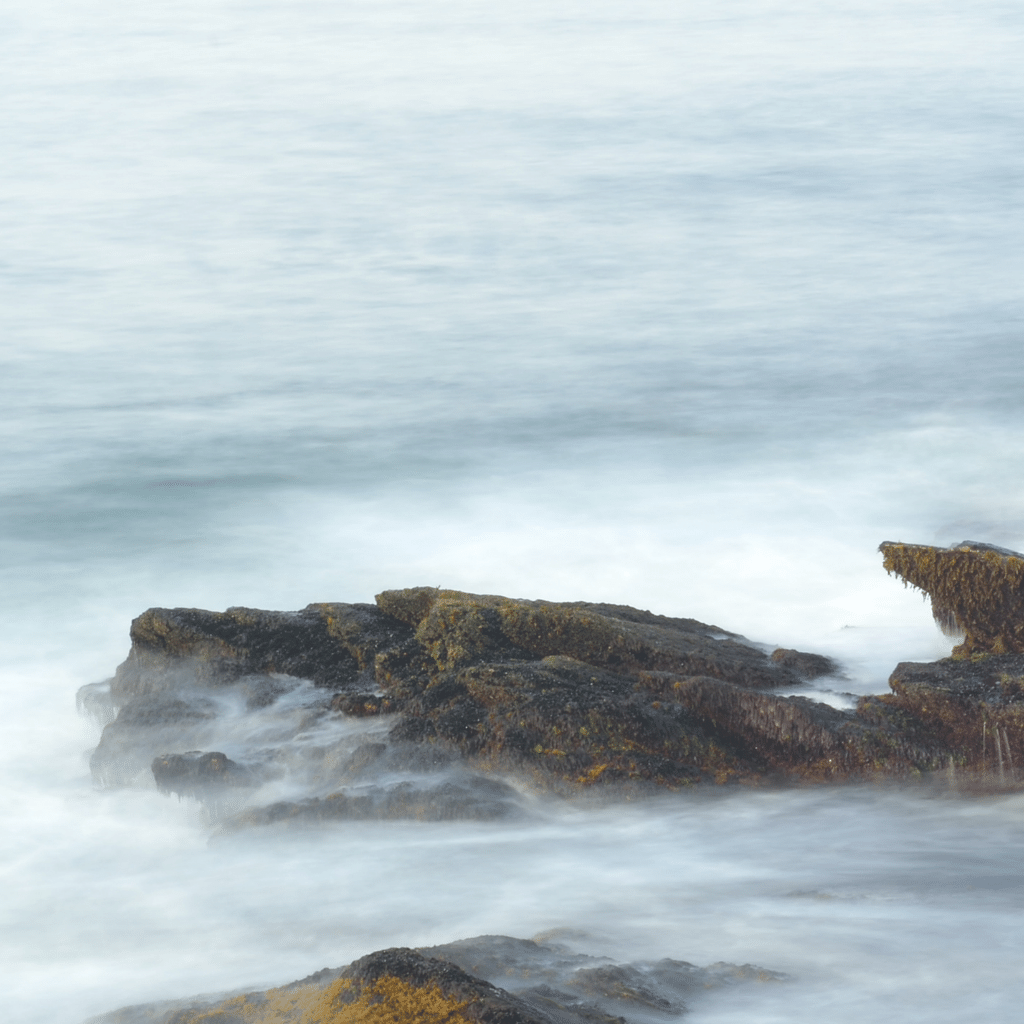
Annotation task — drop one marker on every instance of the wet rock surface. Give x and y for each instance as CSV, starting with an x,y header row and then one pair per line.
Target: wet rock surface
x,y
333,645
439,705
972,708
971,704
462,797
197,774
544,971
805,665
491,979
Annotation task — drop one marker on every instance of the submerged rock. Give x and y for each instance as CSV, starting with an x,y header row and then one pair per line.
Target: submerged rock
x,y
463,797
976,590
197,774
143,727
457,984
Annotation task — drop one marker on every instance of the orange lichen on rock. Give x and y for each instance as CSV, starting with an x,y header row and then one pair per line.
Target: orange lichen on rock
x,y
388,1000
457,983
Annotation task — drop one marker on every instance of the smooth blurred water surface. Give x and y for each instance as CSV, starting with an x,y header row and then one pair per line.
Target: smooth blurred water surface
x,y
683,305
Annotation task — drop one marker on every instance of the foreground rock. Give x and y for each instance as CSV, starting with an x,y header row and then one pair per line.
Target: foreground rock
x,y
439,705
976,590
544,982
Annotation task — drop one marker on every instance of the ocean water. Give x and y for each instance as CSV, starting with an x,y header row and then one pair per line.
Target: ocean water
x,y
681,305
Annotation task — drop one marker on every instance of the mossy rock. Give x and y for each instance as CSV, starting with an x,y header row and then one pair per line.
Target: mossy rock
x,y
564,696
457,628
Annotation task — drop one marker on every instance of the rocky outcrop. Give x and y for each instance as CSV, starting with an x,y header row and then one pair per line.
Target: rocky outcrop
x,y
455,630
334,645
976,590
543,982
439,705
562,695
971,704
972,708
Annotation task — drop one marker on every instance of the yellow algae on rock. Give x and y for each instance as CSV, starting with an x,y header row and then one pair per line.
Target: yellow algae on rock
x,y
388,1000
976,590
458,983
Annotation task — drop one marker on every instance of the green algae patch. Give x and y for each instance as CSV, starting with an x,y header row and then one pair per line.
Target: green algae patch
x,y
976,590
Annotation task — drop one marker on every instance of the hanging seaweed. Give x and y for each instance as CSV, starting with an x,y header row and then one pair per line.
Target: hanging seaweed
x,y
976,590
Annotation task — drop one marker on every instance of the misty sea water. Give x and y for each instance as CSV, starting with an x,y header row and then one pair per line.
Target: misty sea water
x,y
681,305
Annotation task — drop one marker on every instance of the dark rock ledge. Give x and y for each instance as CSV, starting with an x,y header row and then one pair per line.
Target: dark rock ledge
x,y
543,982
436,704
